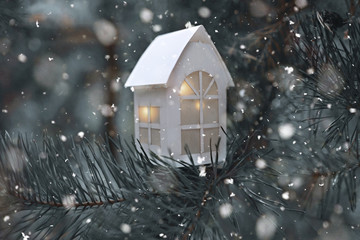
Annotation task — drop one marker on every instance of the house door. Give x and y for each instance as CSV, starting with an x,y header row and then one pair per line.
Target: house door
x,y
199,103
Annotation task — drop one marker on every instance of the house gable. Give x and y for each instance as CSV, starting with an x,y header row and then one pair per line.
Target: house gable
x,y
159,60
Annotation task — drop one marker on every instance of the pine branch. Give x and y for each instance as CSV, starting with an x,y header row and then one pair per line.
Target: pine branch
x,y
331,83
78,181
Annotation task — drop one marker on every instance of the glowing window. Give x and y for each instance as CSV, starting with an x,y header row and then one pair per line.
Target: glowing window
x,y
149,125
199,112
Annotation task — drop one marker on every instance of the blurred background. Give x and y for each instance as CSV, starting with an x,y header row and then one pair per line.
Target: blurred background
x,y
63,66
64,63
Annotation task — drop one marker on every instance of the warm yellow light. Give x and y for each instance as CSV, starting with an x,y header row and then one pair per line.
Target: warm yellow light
x,y
197,105
143,114
185,89
154,114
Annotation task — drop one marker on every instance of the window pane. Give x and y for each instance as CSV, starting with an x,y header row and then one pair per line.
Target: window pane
x,y
213,89
211,111
190,112
186,90
143,114
206,80
155,115
155,137
191,138
193,79
213,134
144,136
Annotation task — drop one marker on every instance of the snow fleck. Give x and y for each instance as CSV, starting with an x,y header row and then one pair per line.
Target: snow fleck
x,y
242,46
73,174
37,23
88,220
50,59
63,138
200,159
329,105
188,24
72,5
225,210
125,228
132,89
289,70
4,111
105,32
232,194
52,122
242,92
265,227
81,134
68,201
286,131
202,170
260,163
285,195
310,71
352,110
22,58
65,76
115,86
291,22
106,110
25,237
156,28
162,235
326,224
229,181
301,3
204,12
146,15
6,218
298,35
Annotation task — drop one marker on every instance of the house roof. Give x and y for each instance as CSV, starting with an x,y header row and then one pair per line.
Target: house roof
x,y
159,59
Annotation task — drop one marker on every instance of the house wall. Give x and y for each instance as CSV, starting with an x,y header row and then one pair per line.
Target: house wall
x,y
155,97
197,56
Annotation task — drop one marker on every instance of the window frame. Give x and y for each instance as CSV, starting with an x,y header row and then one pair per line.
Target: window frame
x,y
149,125
201,96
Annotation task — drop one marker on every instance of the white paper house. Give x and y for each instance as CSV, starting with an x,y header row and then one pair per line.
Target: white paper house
x,y
179,86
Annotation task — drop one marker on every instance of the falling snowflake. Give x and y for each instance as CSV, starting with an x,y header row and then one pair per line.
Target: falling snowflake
x,y
125,228
204,12
68,201
225,210
286,131
146,15
22,58
265,227
202,172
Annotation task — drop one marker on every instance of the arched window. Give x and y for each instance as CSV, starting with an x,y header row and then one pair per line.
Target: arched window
x,y
199,112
